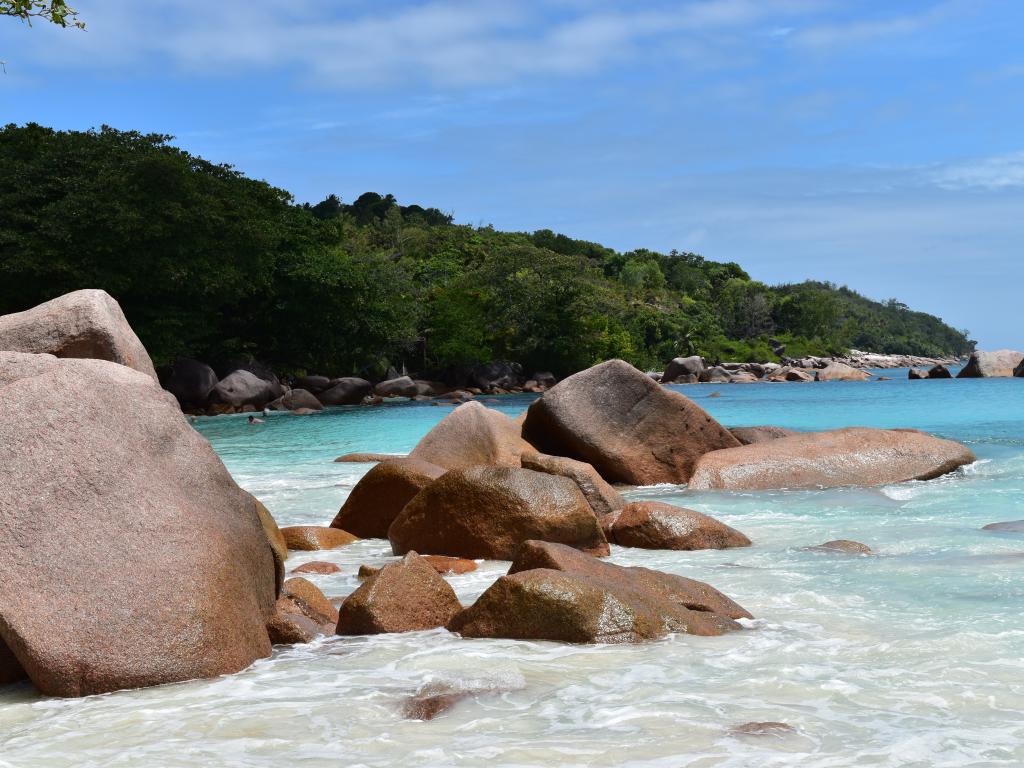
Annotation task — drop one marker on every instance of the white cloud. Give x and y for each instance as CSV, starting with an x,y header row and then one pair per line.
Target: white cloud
x,y
984,174
439,43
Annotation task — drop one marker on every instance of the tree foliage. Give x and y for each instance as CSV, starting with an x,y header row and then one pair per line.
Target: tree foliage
x,y
209,263
54,11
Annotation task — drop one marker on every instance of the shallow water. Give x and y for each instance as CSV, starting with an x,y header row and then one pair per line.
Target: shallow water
x,y
913,657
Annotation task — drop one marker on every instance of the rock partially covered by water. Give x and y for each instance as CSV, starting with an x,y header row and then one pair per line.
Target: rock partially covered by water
x,y
381,494
295,400
401,597
627,426
603,499
348,390
1000,363
555,593
939,371
473,435
301,613
403,386
841,372
190,381
654,525
366,457
917,374
487,512
131,558
845,546
749,435
313,537
855,456
81,324
1014,526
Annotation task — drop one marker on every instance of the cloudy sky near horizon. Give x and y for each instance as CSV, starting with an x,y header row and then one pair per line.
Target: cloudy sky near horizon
x,y
874,144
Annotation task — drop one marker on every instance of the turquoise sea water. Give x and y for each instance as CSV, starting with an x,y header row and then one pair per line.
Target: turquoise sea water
x,y
912,657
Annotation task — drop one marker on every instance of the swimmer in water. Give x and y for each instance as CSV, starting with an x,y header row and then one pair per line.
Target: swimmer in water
x,y
254,420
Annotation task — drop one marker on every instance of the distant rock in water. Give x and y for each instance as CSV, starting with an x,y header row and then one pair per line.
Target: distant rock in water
x,y
369,458
131,558
190,381
348,390
403,386
841,372
1001,363
939,371
915,374
81,324
296,399
630,428
241,388
844,457
683,367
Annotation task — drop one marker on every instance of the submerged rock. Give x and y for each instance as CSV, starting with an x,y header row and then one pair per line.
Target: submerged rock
x,y
81,324
313,537
301,614
939,371
627,426
1000,363
843,545
381,494
473,435
763,729
1015,526
487,512
401,597
916,374
117,514
844,457
553,592
654,525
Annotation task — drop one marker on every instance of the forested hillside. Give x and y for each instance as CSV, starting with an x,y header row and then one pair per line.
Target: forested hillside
x,y
208,263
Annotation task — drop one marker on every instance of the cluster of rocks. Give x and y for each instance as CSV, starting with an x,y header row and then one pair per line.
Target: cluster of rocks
x,y
249,386
695,370
173,572
1002,363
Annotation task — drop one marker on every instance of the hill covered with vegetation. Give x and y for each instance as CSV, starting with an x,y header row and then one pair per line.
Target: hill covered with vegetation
x,y
208,263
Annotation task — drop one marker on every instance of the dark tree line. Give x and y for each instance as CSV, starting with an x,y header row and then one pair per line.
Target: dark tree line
x,y
210,264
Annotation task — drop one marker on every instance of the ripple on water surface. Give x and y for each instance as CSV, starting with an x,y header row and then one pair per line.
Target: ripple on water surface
x,y
913,656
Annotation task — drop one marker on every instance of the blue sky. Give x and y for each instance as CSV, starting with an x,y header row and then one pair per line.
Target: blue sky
x,y
874,144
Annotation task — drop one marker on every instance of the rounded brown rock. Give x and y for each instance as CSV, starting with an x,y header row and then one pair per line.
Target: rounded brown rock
x,y
381,494
313,537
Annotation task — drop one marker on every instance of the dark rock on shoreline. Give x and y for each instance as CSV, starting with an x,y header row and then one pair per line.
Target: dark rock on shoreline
x,y
687,367
403,386
855,456
487,512
381,494
406,596
190,381
348,390
295,400
627,426
242,388
81,324
654,525
313,384
841,372
141,537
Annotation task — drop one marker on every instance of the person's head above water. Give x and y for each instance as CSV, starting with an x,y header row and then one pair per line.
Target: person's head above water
x,y
252,419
